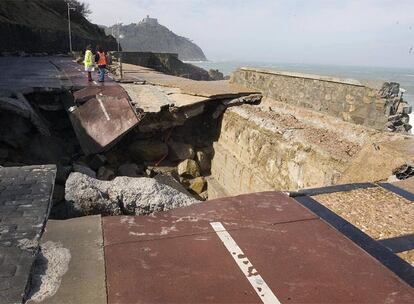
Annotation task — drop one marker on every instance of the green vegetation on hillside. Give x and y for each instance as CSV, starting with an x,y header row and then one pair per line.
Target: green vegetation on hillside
x,y
42,26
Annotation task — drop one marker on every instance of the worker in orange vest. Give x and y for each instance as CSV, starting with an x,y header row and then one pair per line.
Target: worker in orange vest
x,y
100,59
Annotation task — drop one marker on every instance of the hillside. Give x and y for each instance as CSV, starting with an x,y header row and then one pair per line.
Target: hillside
x,y
42,26
150,36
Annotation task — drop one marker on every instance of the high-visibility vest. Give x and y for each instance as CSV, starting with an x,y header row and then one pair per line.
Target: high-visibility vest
x,y
102,58
88,59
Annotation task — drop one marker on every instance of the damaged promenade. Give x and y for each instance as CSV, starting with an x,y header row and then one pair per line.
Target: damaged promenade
x,y
286,188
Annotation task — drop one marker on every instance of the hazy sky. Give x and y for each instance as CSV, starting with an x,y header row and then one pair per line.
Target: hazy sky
x,y
348,32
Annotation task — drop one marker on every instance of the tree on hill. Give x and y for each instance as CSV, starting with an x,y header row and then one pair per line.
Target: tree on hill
x,y
80,8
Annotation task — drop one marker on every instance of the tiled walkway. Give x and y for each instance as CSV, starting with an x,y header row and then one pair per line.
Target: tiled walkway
x,y
25,196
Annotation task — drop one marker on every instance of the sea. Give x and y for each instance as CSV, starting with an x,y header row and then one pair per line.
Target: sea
x,y
404,76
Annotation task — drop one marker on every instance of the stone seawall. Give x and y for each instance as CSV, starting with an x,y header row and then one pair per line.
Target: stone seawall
x,y
348,100
276,146
167,63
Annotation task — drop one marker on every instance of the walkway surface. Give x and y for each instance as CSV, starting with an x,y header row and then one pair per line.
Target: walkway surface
x,y
210,89
25,198
255,248
84,278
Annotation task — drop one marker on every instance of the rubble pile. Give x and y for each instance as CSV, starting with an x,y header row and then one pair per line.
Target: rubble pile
x,y
397,109
36,129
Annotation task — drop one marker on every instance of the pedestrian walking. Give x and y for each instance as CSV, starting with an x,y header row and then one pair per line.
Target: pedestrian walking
x,y
88,61
100,59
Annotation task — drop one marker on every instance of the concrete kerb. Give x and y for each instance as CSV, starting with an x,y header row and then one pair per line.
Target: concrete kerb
x,y
352,82
397,190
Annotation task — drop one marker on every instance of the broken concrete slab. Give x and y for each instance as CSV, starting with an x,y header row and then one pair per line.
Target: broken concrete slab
x,y
152,98
84,280
123,195
209,89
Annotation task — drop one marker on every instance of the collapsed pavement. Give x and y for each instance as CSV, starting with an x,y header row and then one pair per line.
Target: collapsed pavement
x,y
136,129
154,125
171,139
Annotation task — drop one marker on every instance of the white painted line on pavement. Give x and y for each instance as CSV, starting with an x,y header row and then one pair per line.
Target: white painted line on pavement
x,y
259,285
103,109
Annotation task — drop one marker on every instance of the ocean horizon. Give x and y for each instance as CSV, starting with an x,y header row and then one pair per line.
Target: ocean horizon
x,y
404,76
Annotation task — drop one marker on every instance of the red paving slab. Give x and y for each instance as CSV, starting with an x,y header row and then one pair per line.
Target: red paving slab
x,y
101,121
177,257
103,113
87,93
236,212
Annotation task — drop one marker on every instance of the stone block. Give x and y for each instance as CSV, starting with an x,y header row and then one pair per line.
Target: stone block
x,y
198,185
189,168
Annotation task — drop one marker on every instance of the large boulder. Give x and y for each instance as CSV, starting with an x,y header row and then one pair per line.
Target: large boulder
x,y
180,151
123,195
148,150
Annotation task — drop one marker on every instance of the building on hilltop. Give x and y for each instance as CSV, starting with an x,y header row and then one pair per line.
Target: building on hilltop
x,y
150,21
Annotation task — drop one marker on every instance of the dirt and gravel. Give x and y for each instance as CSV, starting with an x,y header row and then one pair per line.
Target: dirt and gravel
x,y
378,212
296,127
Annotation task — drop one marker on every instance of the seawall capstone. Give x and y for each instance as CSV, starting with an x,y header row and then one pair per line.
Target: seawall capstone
x,y
347,99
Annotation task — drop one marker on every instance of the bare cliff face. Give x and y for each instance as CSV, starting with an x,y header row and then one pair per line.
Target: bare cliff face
x,y
38,26
150,36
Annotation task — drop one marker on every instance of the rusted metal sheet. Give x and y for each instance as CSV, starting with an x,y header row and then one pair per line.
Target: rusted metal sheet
x,y
101,121
179,257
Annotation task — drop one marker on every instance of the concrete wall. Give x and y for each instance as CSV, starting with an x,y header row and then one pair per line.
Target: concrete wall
x,y
348,100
